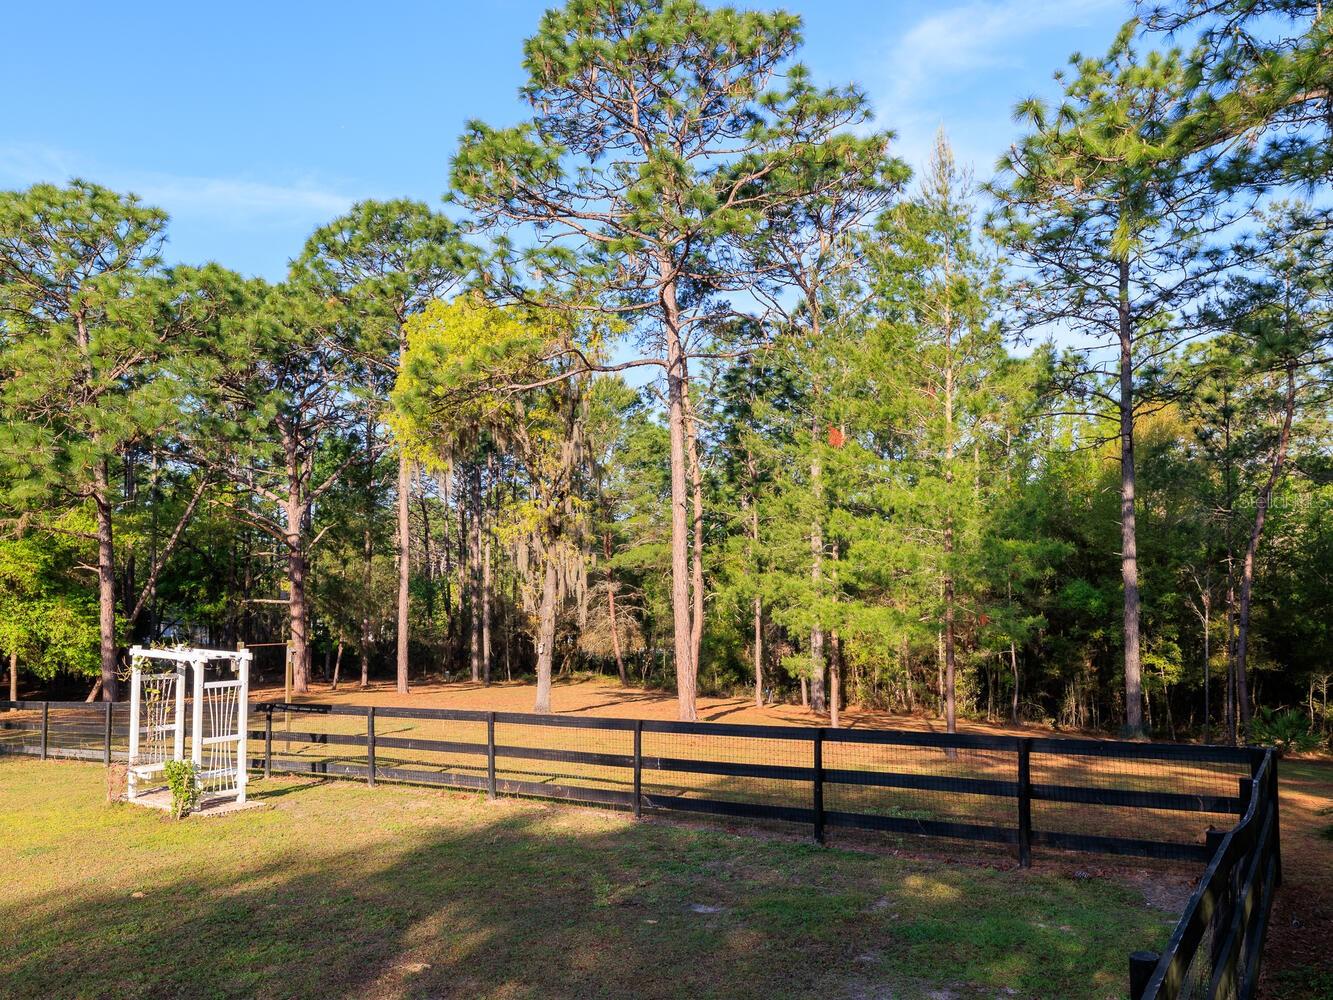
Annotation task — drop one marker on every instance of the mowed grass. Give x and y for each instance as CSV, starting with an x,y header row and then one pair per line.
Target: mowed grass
x,y
338,890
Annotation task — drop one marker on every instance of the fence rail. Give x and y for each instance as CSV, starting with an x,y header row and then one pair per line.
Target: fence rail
x,y
1216,948
1095,796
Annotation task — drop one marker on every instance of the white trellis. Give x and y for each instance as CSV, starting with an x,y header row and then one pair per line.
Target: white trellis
x,y
217,727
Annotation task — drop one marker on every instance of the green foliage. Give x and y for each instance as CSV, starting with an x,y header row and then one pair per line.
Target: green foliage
x,y
1286,730
80,349
882,463
183,781
48,617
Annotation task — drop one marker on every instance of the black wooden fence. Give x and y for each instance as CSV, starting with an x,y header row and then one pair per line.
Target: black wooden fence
x,y
943,785
1216,948
1151,800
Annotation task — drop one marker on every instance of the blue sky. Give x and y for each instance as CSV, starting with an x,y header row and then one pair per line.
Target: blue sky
x,y
253,123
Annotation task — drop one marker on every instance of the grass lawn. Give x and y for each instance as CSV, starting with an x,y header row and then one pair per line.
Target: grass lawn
x,y
339,890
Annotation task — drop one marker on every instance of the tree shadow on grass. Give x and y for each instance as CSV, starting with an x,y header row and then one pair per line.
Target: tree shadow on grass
x,y
516,899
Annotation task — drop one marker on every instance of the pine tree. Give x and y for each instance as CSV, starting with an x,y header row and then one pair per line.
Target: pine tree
x,y
79,361
657,142
384,261
1112,222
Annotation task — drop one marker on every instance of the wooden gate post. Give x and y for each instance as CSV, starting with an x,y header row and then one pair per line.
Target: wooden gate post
x,y
106,735
46,726
818,797
1271,794
1141,966
490,755
268,741
370,746
1025,802
638,768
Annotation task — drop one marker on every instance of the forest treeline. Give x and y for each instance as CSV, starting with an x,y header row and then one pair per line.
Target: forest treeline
x,y
695,383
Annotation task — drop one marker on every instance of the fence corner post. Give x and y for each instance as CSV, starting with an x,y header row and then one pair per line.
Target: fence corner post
x,y
638,768
818,790
106,735
1277,822
46,727
490,756
370,746
268,740
1141,967
1025,802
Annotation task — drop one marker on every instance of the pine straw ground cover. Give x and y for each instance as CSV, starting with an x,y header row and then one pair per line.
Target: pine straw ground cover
x,y
340,890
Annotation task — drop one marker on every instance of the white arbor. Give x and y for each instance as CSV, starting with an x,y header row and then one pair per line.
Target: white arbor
x,y
218,709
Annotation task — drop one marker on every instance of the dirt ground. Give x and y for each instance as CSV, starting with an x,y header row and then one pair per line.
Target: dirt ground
x,y
597,696
1299,953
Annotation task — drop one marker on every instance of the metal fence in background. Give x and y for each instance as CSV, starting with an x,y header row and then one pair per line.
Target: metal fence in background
x,y
1208,804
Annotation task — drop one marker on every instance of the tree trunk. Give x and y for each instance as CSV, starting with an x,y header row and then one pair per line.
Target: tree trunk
x,y
404,567
296,604
546,631
14,676
486,608
427,560
950,645
1129,557
1228,472
753,471
474,570
758,651
681,612
1247,567
611,610
696,534
1206,603
295,543
106,579
1013,667
834,679
367,552
446,550
816,573
337,662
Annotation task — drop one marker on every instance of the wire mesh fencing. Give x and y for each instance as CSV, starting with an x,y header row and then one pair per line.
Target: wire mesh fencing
x,y
1101,796
71,729
1216,949
1211,804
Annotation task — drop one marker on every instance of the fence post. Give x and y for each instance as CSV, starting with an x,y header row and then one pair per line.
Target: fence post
x,y
1222,905
370,746
1277,826
1025,802
46,726
268,742
106,735
1141,966
490,755
638,768
818,798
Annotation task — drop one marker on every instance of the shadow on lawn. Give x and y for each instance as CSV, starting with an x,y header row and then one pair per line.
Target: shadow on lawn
x,y
529,901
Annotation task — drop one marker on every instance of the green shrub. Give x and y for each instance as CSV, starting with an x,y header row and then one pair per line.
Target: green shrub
x,y
183,780
1287,731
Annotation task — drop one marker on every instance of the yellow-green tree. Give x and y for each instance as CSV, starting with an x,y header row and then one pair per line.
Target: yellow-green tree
x,y
518,377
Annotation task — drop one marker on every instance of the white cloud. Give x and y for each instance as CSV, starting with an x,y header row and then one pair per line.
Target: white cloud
x,y
977,49
977,36
230,197
227,200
